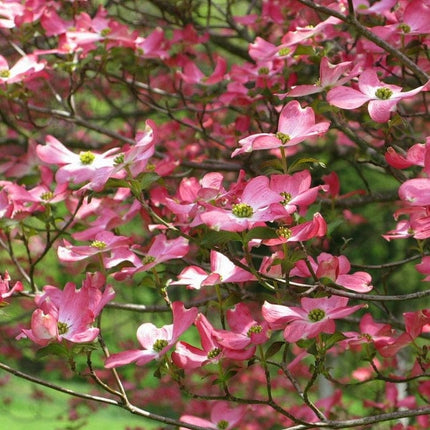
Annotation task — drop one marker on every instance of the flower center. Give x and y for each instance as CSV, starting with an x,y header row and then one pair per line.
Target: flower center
x,y
159,345
287,198
47,195
242,210
62,327
86,157
222,425
284,138
105,32
367,337
284,51
263,71
214,352
5,73
316,315
255,329
283,232
119,159
148,259
99,244
383,93
405,28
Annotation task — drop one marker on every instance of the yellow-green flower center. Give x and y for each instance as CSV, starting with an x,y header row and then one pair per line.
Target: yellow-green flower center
x,y
222,425
86,157
148,259
5,73
287,198
99,244
159,345
255,329
47,195
405,28
316,315
214,353
284,138
263,71
242,210
383,93
62,327
367,337
119,159
105,32
284,51
283,232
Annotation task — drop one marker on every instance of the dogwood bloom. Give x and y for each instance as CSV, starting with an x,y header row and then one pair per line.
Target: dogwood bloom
x,y
222,270
295,190
317,227
68,314
382,97
187,356
5,289
315,316
223,416
155,341
87,166
337,270
245,330
295,125
258,203
330,76
26,67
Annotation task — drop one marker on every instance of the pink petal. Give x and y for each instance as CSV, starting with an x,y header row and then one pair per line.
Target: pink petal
x,y
346,98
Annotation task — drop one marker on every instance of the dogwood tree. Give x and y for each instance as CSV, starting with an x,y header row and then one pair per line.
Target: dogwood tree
x,y
219,209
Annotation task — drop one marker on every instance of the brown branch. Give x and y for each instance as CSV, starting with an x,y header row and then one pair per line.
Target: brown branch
x,y
131,408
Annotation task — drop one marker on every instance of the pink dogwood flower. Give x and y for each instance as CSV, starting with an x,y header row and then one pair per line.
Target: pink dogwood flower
x,y
382,98
187,356
222,270
416,191
5,289
223,416
104,243
258,203
337,270
69,314
26,67
87,166
317,227
315,316
155,341
161,250
245,330
295,190
330,77
295,125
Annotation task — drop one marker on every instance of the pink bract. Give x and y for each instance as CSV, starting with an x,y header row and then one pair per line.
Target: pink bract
x,y
155,341
295,125
315,316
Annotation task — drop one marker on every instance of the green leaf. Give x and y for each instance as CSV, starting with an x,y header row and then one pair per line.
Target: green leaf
x,y
57,349
333,339
273,349
212,238
147,180
259,233
303,163
304,50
